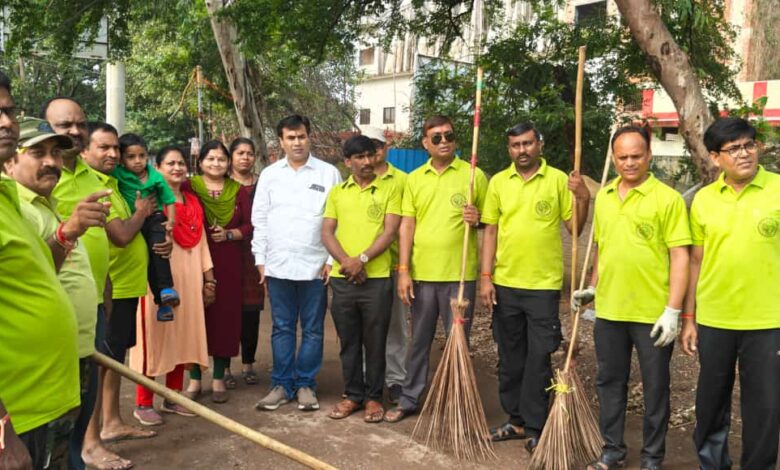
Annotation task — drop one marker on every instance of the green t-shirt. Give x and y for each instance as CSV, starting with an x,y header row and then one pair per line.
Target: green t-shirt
x,y
529,214
360,215
739,281
39,362
127,266
398,179
73,187
130,184
634,236
436,202
75,275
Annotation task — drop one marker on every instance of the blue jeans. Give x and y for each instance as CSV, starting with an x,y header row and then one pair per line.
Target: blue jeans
x,y
291,300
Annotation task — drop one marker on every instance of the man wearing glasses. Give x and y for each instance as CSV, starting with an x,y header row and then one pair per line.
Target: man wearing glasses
x,y
733,302
434,210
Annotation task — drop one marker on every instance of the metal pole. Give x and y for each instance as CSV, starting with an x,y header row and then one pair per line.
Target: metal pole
x,y
199,83
115,95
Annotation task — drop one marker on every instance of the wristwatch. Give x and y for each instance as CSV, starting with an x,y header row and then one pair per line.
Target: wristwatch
x,y
229,235
363,258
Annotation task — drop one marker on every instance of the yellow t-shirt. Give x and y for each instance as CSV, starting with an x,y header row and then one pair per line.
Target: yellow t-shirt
x,y
360,215
127,266
398,179
528,214
75,275
634,236
739,281
73,187
39,362
436,202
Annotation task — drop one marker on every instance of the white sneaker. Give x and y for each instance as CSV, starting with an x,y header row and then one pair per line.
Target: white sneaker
x,y
307,399
275,398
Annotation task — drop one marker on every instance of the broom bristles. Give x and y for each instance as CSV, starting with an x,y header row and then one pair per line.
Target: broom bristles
x,y
452,418
571,437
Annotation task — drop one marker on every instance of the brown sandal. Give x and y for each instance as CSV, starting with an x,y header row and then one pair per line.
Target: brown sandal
x,y
344,408
375,412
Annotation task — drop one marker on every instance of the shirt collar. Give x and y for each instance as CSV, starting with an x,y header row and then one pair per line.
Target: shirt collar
x,y
391,171
541,171
28,195
758,181
642,189
351,182
308,164
80,167
453,164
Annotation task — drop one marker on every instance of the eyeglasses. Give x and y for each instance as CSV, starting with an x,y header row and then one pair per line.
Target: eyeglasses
x,y
9,111
735,150
448,136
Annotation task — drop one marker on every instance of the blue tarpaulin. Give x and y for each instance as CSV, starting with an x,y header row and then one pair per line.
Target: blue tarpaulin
x,y
407,159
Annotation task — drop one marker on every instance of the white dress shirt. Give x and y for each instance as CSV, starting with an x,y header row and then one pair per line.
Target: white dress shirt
x,y
287,218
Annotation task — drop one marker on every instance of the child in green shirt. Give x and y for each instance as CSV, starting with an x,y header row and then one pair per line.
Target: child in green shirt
x,y
134,175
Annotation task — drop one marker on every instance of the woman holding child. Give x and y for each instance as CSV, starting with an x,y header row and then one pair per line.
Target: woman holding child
x,y
167,348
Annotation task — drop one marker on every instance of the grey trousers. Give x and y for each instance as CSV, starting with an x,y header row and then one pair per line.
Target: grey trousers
x,y
431,300
614,342
397,340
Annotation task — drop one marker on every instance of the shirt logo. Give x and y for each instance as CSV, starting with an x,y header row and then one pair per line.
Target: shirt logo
x,y
645,231
317,187
458,200
768,227
543,209
374,211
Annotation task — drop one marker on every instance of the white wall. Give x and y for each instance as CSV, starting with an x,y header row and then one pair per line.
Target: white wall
x,y
386,92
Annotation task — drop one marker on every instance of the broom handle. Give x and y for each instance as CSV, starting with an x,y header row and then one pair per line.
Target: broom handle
x,y
574,215
470,197
211,415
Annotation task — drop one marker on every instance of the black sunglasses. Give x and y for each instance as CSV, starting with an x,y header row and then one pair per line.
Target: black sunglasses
x,y
448,136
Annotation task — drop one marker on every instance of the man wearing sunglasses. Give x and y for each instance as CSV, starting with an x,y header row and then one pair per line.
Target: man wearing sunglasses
x,y
524,208
733,302
434,211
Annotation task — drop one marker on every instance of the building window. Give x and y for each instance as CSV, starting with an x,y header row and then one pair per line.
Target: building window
x,y
388,116
594,12
367,56
365,116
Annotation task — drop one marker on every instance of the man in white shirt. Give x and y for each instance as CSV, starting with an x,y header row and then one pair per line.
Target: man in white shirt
x,y
289,254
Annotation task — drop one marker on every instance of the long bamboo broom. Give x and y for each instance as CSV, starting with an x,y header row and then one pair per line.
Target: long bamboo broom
x,y
452,418
571,437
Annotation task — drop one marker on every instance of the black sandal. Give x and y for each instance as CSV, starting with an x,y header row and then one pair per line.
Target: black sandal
x,y
249,376
230,381
505,432
601,465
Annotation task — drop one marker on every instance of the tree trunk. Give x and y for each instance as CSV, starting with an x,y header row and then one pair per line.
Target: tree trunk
x,y
244,81
671,66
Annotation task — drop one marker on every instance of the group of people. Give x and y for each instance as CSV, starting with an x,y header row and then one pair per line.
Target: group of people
x,y
103,249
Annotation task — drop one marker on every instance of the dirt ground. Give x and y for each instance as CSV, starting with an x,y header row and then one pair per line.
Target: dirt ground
x,y
353,444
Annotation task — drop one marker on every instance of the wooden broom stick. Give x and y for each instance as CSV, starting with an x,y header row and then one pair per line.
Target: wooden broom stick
x,y
211,415
574,215
470,198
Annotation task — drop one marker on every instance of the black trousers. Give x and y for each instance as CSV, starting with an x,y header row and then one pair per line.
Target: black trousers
x,y
362,315
159,269
250,330
614,343
120,329
757,353
527,329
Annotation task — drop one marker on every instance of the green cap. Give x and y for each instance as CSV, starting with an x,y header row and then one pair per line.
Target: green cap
x,y
34,131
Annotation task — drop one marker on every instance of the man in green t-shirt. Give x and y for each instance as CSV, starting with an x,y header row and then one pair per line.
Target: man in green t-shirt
x,y
524,208
127,271
360,221
39,376
640,273
434,212
733,301
398,330
36,168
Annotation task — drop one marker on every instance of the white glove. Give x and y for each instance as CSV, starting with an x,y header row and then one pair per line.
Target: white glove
x,y
667,326
582,297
